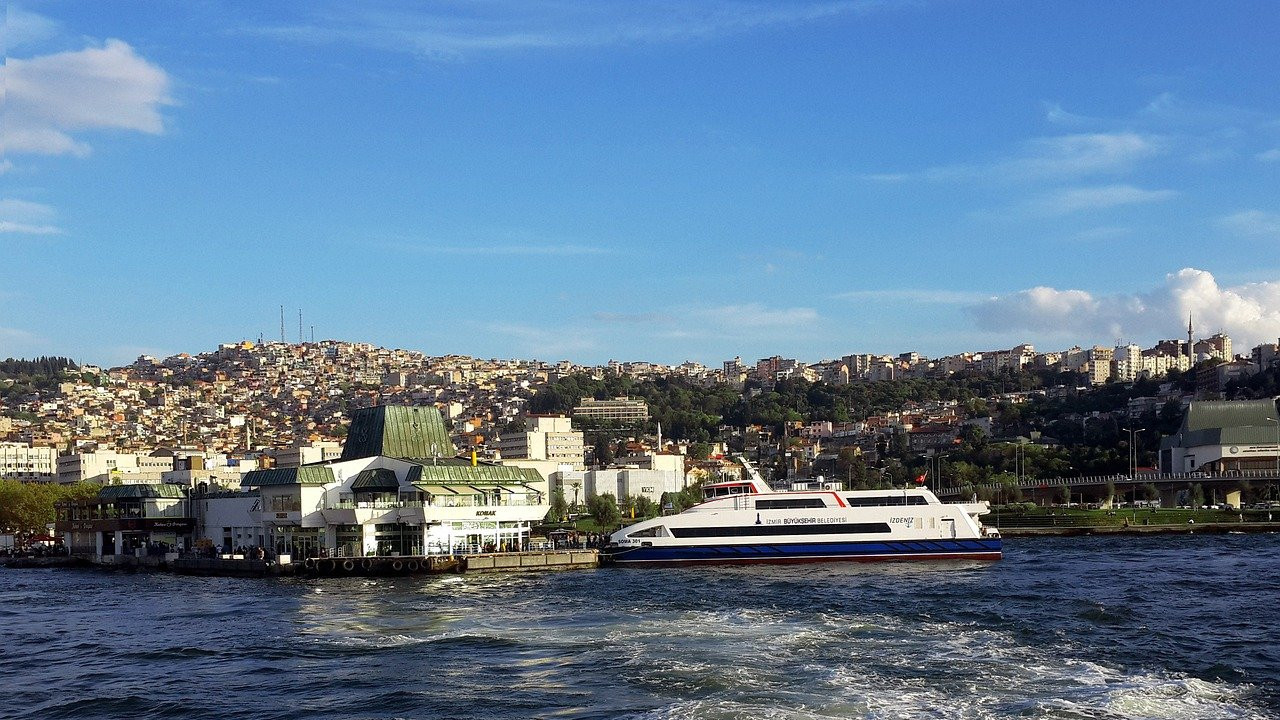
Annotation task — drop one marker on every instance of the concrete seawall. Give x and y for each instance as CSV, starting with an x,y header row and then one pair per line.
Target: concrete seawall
x,y
1183,529
532,561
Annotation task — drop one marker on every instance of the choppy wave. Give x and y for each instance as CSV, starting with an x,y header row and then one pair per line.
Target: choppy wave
x,y
1080,628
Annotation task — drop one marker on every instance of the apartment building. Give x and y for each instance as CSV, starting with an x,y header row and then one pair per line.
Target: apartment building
x,y
551,438
106,467
20,461
619,409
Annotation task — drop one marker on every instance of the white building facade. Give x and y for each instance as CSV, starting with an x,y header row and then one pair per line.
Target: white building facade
x,y
20,461
397,490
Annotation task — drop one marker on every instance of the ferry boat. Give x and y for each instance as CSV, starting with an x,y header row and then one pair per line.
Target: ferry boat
x,y
744,521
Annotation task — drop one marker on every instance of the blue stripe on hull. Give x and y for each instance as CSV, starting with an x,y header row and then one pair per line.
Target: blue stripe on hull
x,y
986,548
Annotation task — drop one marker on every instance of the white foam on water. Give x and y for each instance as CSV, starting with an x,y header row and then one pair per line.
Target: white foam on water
x,y
1182,698
1019,680
731,710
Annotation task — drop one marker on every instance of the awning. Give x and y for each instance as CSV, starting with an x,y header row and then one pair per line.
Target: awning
x,y
440,489
376,480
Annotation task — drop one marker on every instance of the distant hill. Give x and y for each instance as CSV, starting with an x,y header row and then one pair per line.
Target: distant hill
x,y
20,377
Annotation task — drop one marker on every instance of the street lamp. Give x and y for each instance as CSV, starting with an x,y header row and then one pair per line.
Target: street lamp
x,y
1133,462
937,469
1271,485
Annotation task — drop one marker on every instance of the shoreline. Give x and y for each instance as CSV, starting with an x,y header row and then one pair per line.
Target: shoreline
x,y
1184,529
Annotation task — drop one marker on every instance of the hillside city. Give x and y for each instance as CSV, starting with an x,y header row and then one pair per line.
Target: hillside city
x,y
248,405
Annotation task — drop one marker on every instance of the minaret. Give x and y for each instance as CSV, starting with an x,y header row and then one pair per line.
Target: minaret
x,y
1191,348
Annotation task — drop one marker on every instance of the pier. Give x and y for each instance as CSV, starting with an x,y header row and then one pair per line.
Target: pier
x,y
370,566
528,561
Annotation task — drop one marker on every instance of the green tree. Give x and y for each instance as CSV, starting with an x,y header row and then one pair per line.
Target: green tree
x,y
684,499
559,508
1197,496
26,509
604,510
700,450
603,451
644,507
1150,492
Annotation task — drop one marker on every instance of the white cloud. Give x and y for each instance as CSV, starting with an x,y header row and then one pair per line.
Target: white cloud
x,y
922,296
1253,222
542,25
1097,234
15,334
755,315
1084,154
648,318
1073,200
50,97
1249,313
1038,308
545,342
26,217
7,226
16,342
15,209
23,28
1047,158
517,250
521,249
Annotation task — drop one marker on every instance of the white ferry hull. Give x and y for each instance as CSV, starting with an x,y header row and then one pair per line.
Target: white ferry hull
x,y
743,521
801,552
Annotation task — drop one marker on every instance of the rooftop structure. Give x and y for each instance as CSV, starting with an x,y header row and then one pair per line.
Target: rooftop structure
x,y
620,409
412,433
397,490
1220,436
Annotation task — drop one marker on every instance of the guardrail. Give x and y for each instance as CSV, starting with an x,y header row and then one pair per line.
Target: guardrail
x,y
1118,479
1125,517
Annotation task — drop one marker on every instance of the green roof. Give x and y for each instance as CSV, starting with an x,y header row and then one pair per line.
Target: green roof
x,y
305,475
1232,422
478,475
399,431
376,480
139,492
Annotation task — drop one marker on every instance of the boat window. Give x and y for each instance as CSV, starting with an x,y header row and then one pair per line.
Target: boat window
x,y
774,530
881,500
790,503
655,531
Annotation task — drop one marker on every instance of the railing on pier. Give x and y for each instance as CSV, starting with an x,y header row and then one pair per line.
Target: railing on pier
x,y
1117,479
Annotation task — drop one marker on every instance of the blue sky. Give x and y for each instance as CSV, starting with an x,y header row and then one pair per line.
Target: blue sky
x,y
665,180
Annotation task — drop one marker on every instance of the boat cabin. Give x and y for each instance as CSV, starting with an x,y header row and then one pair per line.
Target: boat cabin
x,y
724,489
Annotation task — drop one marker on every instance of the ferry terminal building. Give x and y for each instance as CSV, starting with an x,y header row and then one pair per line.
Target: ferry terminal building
x,y
397,489
126,520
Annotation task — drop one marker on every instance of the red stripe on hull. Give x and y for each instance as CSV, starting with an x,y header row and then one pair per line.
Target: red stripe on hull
x,y
989,556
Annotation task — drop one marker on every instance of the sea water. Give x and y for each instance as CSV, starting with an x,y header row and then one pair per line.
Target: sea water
x,y
1116,628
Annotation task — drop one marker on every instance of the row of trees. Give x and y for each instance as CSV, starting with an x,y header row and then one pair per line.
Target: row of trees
x,y
608,511
26,509
693,412
19,378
